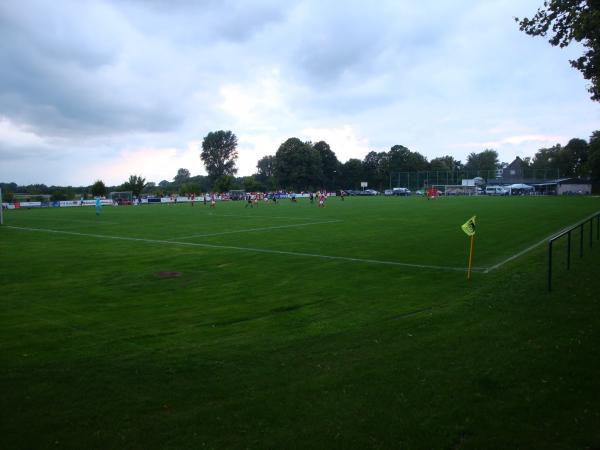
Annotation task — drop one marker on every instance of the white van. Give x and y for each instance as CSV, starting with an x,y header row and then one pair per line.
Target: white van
x,y
496,190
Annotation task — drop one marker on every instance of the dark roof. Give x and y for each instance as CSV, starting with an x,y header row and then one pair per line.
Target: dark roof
x,y
563,181
574,181
516,164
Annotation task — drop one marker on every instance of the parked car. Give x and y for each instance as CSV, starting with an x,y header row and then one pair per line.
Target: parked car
x,y
370,192
496,190
388,192
401,191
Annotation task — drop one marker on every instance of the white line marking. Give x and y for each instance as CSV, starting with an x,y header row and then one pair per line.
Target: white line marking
x,y
537,244
247,230
252,250
88,222
247,216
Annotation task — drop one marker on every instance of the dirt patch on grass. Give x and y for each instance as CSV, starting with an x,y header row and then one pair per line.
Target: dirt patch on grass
x,y
167,274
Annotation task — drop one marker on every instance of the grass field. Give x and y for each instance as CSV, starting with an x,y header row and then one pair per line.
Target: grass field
x,y
290,326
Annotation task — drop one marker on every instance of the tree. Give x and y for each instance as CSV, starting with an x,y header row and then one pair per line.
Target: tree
x,y
219,153
593,162
482,164
183,175
8,189
149,188
266,166
376,169
398,158
189,188
266,172
59,195
352,174
224,183
556,158
98,189
203,182
251,184
444,164
135,184
401,159
578,155
298,165
329,164
416,162
570,20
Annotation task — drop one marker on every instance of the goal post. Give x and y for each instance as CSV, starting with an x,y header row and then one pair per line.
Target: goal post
x,y
1,209
122,198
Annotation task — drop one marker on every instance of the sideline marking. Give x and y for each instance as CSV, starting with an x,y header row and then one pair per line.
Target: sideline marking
x,y
252,250
248,216
537,244
247,230
88,222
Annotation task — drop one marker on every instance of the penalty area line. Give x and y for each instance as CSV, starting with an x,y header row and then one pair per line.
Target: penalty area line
x,y
250,250
249,230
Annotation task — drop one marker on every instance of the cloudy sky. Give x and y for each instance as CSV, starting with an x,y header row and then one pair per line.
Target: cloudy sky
x,y
104,89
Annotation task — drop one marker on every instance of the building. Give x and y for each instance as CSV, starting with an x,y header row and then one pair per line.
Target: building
x,y
571,186
513,173
545,181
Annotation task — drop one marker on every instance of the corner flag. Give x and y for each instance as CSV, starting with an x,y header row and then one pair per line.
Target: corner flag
x,y
469,226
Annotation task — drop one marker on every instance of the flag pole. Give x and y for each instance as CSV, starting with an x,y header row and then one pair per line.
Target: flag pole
x,y
470,257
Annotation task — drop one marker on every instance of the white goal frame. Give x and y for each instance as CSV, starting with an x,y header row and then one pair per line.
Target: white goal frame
x,y
118,196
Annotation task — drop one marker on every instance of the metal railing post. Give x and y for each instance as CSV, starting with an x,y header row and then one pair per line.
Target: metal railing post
x,y
569,250
581,241
550,266
570,236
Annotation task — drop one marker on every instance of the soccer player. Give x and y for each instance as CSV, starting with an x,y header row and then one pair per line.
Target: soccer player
x,y
212,201
98,206
248,200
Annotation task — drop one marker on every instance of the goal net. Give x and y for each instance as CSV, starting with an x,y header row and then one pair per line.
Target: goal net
x,y
122,198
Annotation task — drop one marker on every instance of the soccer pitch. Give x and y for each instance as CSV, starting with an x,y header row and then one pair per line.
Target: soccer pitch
x,y
292,326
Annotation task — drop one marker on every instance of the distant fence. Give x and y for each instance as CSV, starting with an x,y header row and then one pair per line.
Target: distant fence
x,y
569,232
423,179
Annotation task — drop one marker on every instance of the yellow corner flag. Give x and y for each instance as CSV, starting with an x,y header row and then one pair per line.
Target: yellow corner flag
x,y
469,226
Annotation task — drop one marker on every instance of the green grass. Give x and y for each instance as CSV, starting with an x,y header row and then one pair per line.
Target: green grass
x,y
293,327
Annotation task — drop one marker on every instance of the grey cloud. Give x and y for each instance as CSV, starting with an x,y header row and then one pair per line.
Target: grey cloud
x,y
57,79
11,153
208,21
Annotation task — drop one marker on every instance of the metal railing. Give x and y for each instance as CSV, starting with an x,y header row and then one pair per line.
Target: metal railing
x,y
569,232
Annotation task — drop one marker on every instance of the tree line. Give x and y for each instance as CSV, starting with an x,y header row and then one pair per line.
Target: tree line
x,y
304,166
